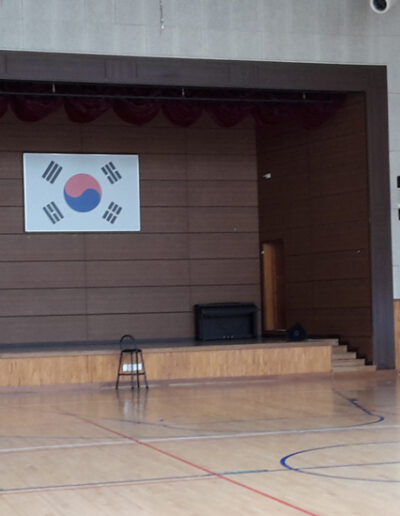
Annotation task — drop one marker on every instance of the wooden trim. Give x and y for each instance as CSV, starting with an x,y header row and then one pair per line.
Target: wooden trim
x,y
249,360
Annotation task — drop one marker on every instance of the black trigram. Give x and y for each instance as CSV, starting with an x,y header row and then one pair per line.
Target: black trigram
x,y
111,172
53,212
112,212
52,172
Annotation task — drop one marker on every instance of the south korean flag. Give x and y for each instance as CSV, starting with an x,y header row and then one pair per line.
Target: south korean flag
x,y
81,192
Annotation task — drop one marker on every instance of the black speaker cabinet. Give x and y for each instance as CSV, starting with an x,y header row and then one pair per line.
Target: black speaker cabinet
x,y
217,321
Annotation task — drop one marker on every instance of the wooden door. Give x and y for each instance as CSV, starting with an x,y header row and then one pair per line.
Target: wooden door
x,y
274,317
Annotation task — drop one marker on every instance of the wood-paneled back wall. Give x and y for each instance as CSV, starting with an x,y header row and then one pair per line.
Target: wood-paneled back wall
x,y
316,202
198,243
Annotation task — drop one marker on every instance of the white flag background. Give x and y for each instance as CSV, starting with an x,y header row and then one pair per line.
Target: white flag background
x,y
81,192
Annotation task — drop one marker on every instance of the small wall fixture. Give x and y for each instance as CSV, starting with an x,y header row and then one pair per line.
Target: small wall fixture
x,y
381,6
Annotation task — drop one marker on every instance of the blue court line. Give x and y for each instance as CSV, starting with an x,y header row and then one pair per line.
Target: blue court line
x,y
352,401
355,403
307,469
139,481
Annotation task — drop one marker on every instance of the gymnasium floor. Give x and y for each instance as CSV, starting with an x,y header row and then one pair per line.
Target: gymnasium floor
x,y
316,446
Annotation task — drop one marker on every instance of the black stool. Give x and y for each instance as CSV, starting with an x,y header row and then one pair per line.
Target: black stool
x,y
134,366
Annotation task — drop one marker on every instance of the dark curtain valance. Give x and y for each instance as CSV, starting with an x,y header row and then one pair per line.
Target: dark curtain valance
x,y
182,112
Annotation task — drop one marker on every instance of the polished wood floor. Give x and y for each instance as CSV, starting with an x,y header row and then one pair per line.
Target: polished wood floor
x,y
316,446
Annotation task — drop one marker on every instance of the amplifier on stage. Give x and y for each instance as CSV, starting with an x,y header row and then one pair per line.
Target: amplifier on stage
x,y
217,321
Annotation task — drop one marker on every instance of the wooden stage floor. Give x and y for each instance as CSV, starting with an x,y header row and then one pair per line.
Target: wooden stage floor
x,y
317,446
80,365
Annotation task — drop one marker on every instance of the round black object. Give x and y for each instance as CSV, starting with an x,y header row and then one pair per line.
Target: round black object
x,y
380,5
297,333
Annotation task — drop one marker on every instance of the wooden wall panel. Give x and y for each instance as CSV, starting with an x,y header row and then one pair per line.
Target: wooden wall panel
x,y
225,245
221,193
43,329
225,272
342,321
298,240
341,264
11,220
171,167
299,295
163,193
10,165
287,188
353,234
11,193
137,273
220,141
138,246
137,300
213,167
222,219
349,178
339,208
42,247
26,138
163,220
41,301
155,326
317,203
198,238
126,138
226,294
342,293
286,214
41,274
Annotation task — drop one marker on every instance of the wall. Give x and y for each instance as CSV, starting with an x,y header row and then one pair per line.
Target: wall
x,y
315,31
316,202
199,238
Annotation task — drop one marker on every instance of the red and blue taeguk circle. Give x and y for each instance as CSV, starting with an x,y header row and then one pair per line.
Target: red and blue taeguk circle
x,y
82,192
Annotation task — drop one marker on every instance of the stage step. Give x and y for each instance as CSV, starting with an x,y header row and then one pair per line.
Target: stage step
x,y
344,361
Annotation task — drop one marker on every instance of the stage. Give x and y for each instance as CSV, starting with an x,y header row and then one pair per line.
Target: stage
x,y
236,359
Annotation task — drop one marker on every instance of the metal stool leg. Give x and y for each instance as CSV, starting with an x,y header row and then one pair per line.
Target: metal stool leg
x,y
143,369
119,369
132,371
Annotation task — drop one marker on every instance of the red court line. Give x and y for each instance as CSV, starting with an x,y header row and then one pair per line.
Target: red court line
x,y
197,466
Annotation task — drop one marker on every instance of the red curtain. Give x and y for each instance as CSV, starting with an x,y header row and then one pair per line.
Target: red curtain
x,y
84,110
181,113
33,109
138,112
228,114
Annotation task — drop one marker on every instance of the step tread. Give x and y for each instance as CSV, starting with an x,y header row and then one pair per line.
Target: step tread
x,y
349,361
344,356
341,349
343,369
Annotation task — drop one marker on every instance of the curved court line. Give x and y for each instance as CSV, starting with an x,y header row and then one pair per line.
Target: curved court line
x,y
194,465
305,470
355,403
352,401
